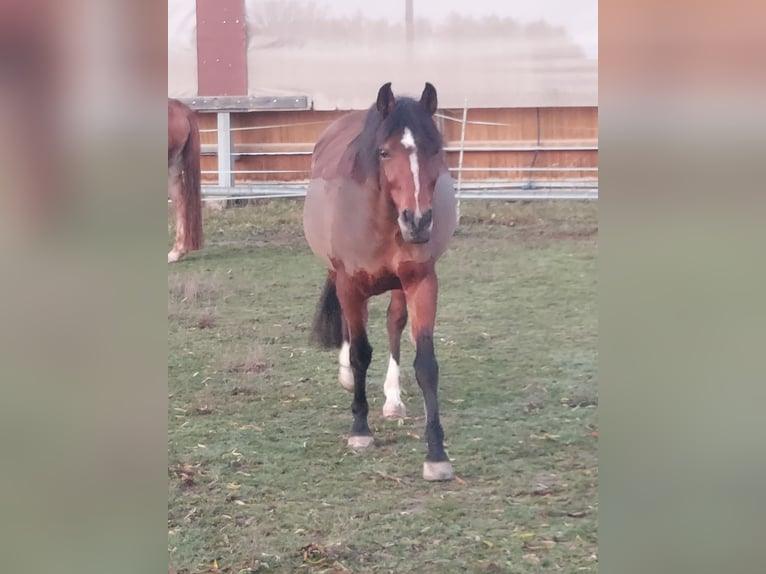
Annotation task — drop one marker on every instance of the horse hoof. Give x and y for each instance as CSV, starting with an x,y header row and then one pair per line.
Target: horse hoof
x,y
346,379
438,470
394,411
174,256
359,442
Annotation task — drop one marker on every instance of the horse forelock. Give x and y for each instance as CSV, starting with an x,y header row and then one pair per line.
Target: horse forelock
x,y
407,113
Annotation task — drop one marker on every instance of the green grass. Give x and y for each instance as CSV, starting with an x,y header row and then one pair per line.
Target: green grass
x,y
259,476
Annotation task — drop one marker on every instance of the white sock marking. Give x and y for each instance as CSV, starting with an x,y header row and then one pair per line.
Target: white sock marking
x,y
345,375
344,357
391,385
394,407
408,141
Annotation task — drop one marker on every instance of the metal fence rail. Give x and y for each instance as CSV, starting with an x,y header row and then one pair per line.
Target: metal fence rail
x,y
583,188
476,190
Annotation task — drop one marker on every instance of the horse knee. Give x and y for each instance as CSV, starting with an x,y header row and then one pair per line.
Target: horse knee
x,y
426,370
360,354
426,366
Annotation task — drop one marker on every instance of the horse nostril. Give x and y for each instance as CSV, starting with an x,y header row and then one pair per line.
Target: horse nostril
x,y
408,216
425,221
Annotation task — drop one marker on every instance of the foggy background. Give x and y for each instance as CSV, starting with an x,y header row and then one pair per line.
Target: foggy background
x,y
487,52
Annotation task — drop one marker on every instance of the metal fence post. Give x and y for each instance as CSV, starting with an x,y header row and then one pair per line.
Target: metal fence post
x,y
225,160
460,157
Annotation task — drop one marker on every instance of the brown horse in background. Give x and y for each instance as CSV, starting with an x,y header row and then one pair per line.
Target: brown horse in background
x,y
380,210
184,185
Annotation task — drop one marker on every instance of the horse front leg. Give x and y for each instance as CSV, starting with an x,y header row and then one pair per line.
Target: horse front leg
x,y
421,293
396,319
359,356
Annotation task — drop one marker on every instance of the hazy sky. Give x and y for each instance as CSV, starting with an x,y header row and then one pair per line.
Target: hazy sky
x,y
541,75
578,12
579,17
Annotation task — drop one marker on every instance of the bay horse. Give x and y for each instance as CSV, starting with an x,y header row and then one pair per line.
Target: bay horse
x,y
380,210
184,185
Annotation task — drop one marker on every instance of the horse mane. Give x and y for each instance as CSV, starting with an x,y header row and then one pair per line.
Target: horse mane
x,y
407,113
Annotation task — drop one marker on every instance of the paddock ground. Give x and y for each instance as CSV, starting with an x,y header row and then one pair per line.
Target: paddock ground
x,y
259,476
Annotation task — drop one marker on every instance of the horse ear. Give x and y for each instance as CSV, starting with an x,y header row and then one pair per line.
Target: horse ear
x,y
428,98
385,101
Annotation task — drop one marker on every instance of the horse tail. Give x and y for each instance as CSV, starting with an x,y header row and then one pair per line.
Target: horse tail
x,y
191,193
327,328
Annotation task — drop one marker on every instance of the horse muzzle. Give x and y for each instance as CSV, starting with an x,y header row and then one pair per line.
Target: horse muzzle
x,y
416,229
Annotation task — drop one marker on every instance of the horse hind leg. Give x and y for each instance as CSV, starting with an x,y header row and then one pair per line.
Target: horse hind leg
x,y
345,374
360,356
396,319
174,192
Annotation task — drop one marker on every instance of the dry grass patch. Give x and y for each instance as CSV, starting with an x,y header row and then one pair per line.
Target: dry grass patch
x,y
193,299
248,361
198,289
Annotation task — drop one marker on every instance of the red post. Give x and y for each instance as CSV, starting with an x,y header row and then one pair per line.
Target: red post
x,y
221,48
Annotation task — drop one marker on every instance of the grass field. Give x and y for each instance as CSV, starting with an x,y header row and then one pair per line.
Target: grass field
x,y
259,476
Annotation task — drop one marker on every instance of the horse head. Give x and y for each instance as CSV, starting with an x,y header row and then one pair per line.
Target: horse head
x,y
409,153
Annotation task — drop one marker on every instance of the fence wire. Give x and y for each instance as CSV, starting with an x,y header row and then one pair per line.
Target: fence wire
x,y
512,189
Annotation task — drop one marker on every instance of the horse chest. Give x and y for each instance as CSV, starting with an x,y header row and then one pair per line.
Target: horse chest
x,y
369,284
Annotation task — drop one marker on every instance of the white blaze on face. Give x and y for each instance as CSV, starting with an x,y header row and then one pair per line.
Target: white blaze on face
x,y
408,141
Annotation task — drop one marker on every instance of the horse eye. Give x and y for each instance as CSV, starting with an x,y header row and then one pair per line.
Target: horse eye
x,y
383,153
